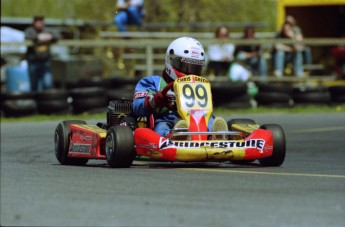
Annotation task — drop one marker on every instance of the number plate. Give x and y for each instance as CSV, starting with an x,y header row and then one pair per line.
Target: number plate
x,y
193,93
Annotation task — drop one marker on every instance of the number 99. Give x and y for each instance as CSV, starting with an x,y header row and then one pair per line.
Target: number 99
x,y
189,94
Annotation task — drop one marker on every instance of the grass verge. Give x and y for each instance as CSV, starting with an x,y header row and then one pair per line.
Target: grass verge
x,y
305,109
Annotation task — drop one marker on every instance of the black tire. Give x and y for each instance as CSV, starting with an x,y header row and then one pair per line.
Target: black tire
x,y
337,89
307,89
121,93
52,94
322,97
235,105
229,88
273,98
17,95
89,92
271,87
72,84
223,91
119,147
61,143
53,107
95,82
242,101
337,93
338,99
81,105
19,107
279,146
312,95
118,82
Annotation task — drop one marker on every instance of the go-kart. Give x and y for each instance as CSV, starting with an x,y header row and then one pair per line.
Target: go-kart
x,y
125,136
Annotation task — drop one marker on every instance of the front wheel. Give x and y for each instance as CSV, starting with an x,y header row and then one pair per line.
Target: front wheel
x,y
119,147
61,140
279,146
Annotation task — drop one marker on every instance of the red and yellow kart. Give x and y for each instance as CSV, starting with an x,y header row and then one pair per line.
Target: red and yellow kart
x,y
125,136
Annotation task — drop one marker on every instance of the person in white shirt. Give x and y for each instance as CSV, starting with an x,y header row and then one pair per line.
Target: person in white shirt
x,y
237,71
220,56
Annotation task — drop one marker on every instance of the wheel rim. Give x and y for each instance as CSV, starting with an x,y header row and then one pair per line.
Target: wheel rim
x,y
109,146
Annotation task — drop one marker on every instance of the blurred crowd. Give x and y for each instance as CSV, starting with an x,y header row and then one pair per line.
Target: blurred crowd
x,y
237,62
241,62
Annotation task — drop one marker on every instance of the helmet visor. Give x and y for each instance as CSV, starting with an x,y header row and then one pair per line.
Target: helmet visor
x,y
187,66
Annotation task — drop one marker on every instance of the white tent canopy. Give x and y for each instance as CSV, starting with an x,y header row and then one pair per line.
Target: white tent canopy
x,y
12,35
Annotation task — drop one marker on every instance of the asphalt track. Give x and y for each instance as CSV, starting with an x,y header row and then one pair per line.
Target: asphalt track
x,y
307,190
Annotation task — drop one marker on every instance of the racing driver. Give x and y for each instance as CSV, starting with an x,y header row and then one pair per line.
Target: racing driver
x,y
184,56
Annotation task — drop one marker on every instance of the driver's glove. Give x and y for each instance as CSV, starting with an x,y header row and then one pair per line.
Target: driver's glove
x,y
155,101
171,101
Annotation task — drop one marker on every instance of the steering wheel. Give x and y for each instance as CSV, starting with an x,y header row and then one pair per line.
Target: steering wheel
x,y
169,102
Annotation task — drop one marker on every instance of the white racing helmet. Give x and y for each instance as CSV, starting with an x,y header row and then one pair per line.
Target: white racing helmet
x,y
184,56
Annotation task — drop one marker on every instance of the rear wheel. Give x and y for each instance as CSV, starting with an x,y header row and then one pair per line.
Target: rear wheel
x,y
279,146
61,140
119,147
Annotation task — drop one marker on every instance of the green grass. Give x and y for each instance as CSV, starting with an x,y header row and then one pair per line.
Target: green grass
x,y
260,110
296,109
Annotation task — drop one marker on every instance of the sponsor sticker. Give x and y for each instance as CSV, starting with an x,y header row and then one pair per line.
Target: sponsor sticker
x,y
253,143
140,94
150,147
85,137
192,61
201,80
80,148
195,52
185,79
192,79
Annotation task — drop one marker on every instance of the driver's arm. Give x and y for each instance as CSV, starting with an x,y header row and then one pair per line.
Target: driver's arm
x,y
145,87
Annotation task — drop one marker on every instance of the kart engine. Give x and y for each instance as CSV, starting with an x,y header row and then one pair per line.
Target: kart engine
x,y
117,110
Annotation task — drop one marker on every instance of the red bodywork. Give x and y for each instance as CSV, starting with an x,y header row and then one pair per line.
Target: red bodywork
x,y
87,141
256,146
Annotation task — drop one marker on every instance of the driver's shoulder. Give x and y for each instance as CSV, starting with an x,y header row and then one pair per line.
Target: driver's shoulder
x,y
150,78
149,83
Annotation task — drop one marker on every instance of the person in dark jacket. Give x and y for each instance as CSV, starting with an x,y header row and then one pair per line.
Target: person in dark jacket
x,y
253,54
38,54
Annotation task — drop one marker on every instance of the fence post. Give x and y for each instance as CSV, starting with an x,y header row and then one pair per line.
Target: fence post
x,y
149,60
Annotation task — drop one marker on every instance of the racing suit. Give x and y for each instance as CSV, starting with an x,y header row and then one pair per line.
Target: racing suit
x,y
164,118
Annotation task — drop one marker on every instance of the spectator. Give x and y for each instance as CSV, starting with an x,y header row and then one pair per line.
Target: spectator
x,y
38,54
129,12
338,53
237,71
283,54
220,55
253,54
307,57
